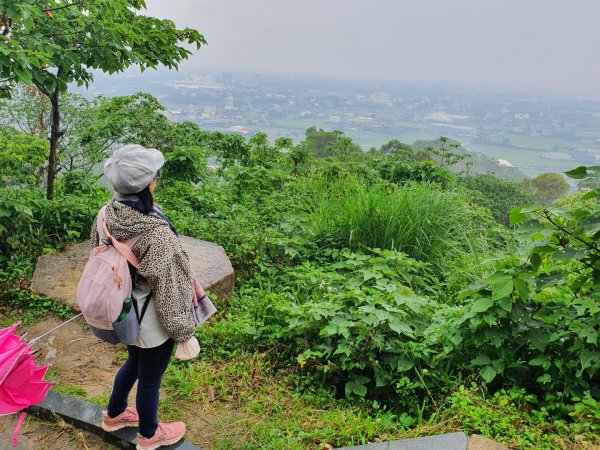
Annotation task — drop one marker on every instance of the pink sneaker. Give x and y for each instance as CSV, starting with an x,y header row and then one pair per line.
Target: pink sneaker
x,y
128,418
166,434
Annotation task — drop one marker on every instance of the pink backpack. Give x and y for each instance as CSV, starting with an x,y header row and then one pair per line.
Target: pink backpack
x,y
106,282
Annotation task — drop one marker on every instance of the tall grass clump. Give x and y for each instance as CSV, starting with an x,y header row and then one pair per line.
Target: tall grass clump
x,y
428,224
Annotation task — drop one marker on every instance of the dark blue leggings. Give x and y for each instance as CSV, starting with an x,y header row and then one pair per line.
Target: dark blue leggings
x,y
147,366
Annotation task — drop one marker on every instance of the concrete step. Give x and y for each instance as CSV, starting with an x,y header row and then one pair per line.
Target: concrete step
x,y
88,416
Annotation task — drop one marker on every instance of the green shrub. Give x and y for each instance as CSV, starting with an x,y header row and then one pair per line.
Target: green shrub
x,y
186,164
355,319
22,159
499,196
402,171
30,225
535,324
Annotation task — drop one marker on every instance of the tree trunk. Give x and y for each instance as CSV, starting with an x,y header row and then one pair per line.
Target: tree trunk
x,y
54,142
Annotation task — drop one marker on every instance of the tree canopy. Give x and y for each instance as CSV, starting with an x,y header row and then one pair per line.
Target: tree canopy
x,y
52,43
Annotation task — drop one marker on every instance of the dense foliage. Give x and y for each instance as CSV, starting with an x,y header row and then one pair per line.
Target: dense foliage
x,y
379,276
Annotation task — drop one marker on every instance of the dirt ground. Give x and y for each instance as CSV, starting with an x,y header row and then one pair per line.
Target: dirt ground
x,y
77,359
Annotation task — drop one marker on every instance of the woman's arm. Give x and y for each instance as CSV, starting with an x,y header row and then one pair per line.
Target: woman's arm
x,y
166,267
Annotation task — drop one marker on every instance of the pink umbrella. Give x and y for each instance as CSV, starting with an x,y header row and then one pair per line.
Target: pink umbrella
x,y
21,381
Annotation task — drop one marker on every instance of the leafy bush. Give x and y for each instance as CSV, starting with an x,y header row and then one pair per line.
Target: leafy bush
x,y
535,324
22,159
499,196
358,319
31,225
400,172
355,319
186,164
80,182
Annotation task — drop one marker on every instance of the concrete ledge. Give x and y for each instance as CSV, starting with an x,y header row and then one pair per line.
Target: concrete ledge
x,y
88,416
449,441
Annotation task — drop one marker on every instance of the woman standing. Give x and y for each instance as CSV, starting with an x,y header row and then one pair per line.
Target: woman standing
x,y
164,279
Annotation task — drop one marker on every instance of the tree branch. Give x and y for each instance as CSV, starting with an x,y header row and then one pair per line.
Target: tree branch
x,y
42,89
568,232
80,4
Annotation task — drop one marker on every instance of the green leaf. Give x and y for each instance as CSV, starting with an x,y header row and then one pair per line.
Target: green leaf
x,y
538,338
535,260
503,289
24,75
359,390
506,304
481,360
521,288
381,378
587,357
497,278
481,304
488,373
355,388
401,328
582,172
591,224
329,330
516,217
544,379
404,365
539,361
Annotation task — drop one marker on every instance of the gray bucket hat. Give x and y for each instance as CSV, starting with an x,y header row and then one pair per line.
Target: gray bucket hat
x,y
132,167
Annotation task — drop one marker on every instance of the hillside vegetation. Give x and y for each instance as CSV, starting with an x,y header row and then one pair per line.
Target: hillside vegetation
x,y
380,292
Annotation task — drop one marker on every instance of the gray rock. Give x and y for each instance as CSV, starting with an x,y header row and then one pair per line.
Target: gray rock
x,y
57,275
212,266
450,441
477,442
88,416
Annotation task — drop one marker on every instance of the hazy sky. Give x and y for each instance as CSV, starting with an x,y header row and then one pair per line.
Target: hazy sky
x,y
510,44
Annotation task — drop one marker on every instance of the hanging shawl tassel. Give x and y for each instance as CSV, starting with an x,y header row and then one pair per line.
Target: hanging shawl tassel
x,y
18,428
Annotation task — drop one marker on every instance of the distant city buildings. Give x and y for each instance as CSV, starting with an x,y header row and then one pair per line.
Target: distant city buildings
x,y
537,135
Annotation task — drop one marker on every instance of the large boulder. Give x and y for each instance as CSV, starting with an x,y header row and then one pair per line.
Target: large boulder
x,y
57,275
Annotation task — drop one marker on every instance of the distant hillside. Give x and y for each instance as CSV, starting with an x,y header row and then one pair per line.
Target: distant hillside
x,y
479,163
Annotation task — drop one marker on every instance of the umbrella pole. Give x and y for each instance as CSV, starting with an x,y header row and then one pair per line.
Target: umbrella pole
x,y
55,328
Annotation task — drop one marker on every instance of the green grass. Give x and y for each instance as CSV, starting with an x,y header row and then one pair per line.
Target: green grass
x,y
67,389
252,407
427,224
247,405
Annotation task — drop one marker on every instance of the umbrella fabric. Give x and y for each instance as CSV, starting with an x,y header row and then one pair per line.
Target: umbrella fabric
x,y
21,380
24,386
11,348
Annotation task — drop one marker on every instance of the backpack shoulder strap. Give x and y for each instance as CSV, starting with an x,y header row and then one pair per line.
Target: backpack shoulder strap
x,y
100,219
124,248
